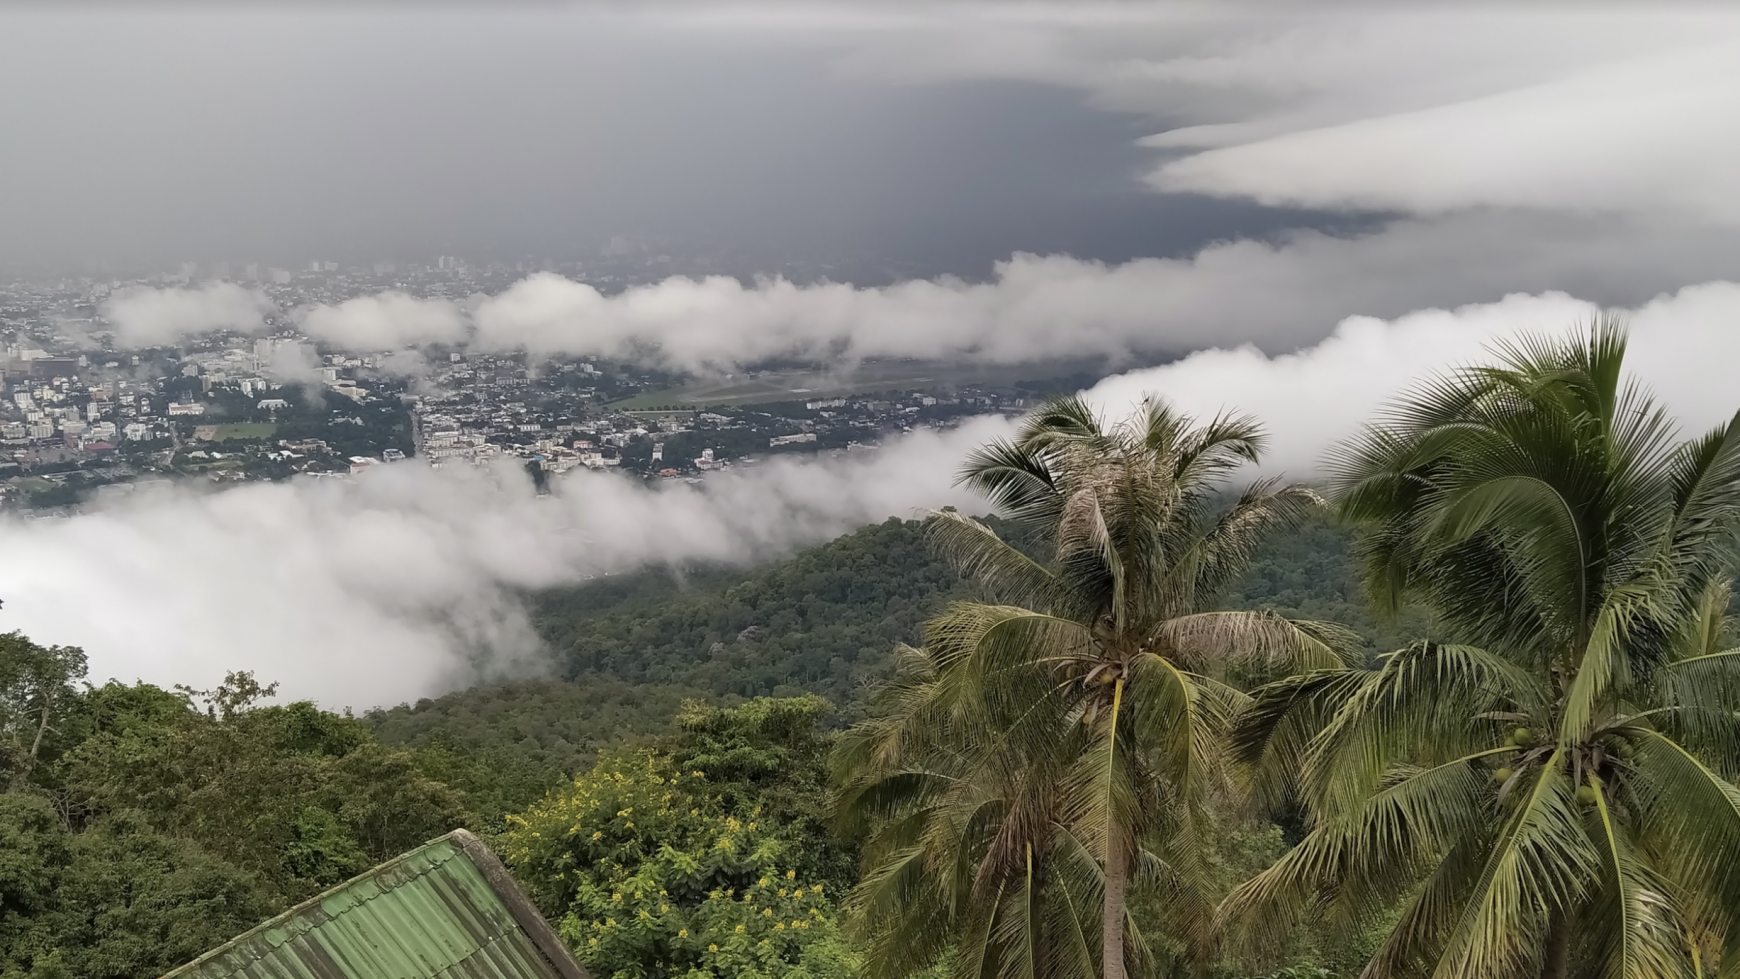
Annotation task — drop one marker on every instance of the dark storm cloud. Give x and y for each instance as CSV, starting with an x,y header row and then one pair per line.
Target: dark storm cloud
x,y
208,133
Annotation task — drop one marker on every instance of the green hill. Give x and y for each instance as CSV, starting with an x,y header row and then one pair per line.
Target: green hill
x,y
628,648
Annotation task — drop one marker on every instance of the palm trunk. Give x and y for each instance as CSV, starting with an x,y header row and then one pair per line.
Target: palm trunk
x,y
1117,869
1112,950
1558,947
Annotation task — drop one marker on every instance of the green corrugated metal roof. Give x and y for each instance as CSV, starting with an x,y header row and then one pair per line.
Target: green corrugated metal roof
x,y
446,910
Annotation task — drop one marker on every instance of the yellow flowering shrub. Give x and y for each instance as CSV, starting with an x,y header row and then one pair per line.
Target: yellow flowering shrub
x,y
647,877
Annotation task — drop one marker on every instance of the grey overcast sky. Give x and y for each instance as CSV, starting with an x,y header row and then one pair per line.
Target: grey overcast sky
x,y
157,134
1592,142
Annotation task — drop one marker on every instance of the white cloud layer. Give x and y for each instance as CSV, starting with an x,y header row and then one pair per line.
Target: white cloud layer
x,y
144,317
1644,136
1420,107
1683,346
401,583
1277,295
385,321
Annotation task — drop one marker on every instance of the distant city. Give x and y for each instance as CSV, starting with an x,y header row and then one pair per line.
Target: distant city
x,y
82,419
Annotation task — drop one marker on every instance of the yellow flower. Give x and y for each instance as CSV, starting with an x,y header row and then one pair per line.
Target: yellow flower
x,y
696,774
767,913
694,812
663,908
762,882
798,893
617,896
791,875
782,892
712,948
682,933
598,835
739,929
592,942
610,922
779,927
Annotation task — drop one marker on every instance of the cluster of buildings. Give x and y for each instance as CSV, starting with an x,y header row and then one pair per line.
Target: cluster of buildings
x,y
236,406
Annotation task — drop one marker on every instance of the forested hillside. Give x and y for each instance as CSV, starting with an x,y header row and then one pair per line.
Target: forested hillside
x,y
141,826
824,621
145,825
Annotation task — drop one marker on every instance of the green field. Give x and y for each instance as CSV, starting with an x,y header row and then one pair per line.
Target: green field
x,y
867,378
245,430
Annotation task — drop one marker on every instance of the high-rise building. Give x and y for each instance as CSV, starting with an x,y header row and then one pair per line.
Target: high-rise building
x,y
252,272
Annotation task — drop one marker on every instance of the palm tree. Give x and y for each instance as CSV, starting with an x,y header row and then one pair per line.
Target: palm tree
x,y
1556,796
1050,746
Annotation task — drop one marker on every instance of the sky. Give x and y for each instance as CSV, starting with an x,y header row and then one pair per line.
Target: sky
x,y
1303,211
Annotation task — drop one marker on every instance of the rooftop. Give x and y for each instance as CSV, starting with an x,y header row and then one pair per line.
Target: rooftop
x,y
446,910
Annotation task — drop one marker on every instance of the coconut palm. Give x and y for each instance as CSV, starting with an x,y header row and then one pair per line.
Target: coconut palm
x,y
1555,795
1054,744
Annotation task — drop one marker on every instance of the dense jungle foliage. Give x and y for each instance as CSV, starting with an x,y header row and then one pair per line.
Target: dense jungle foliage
x,y
153,824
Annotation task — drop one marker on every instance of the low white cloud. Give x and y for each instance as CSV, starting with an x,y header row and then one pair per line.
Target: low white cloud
x,y
1421,107
1278,295
385,321
142,316
1683,346
401,582
1644,136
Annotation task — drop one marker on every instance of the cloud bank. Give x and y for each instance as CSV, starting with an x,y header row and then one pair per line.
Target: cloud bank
x,y
402,582
1683,346
1277,295
1421,108
147,317
385,321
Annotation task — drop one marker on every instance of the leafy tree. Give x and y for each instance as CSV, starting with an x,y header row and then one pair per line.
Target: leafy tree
x,y
37,694
647,872
1558,797
298,796
1041,752
116,902
769,755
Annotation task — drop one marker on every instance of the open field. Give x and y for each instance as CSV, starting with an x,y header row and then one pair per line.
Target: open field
x,y
761,387
240,430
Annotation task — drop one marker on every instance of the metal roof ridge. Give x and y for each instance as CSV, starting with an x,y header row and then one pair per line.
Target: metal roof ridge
x,y
456,838
310,916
